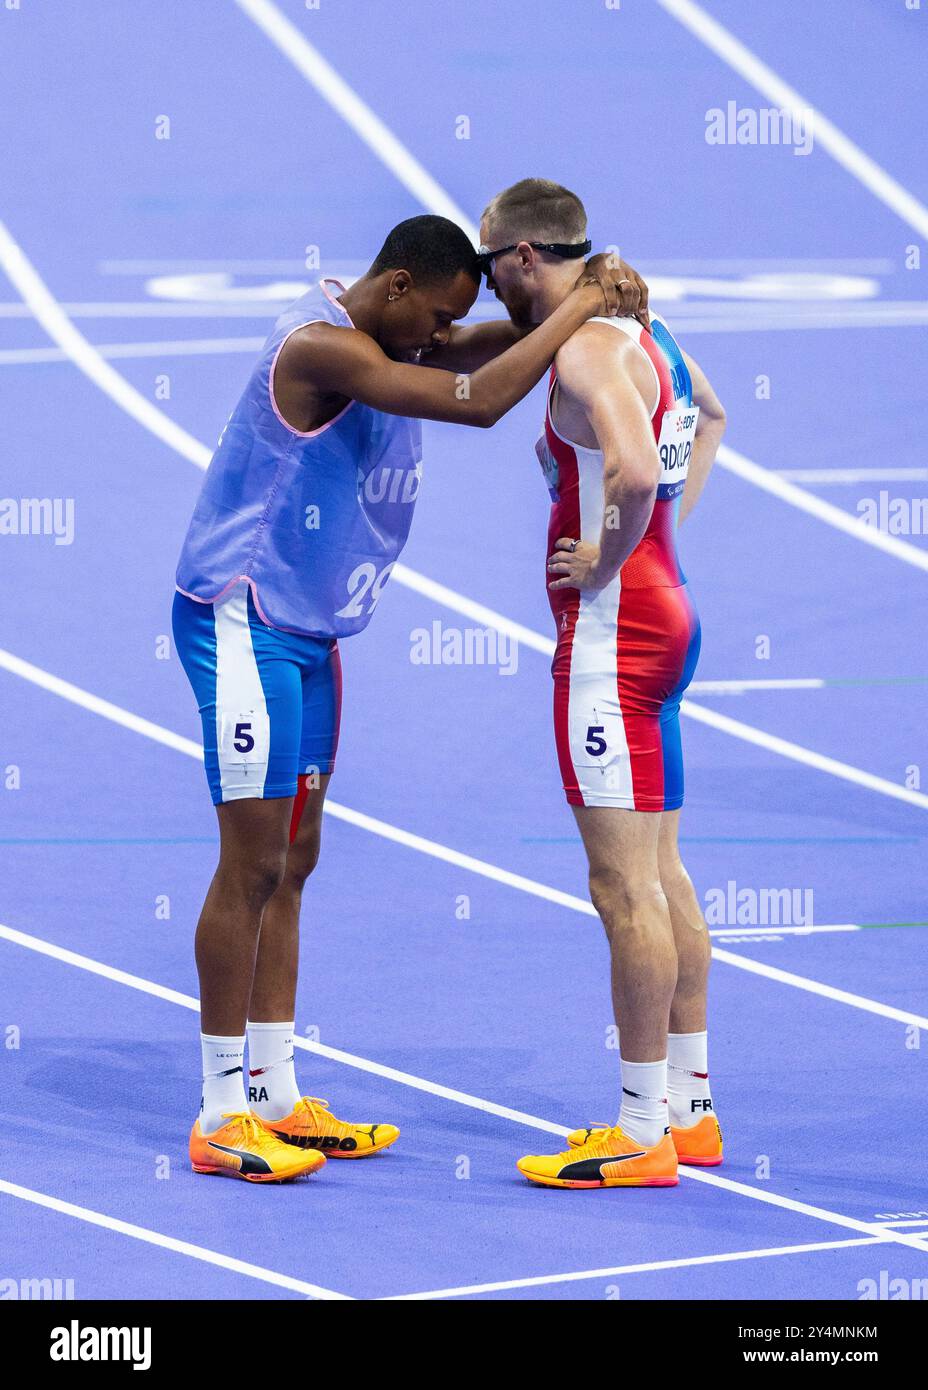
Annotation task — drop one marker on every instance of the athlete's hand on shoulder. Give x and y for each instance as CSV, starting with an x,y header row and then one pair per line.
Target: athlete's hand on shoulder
x,y
624,292
577,565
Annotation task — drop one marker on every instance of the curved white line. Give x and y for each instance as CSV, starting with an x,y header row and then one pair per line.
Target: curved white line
x,y
61,330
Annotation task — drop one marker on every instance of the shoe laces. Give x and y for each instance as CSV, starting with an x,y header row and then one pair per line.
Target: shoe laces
x,y
322,1116
600,1139
253,1133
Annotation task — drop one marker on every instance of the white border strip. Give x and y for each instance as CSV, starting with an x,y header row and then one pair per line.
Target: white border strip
x,y
179,1247
724,44
543,1279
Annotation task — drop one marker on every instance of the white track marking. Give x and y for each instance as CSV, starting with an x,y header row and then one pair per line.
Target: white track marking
x,y
726,725
179,1247
782,931
60,329
73,693
149,309
773,322
184,347
922,1221
853,475
797,497
715,36
333,88
840,996
683,1263
737,687
479,612
348,1059
462,1097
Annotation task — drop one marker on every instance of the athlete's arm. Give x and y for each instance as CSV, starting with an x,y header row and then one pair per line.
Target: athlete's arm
x,y
604,373
339,360
469,347
709,430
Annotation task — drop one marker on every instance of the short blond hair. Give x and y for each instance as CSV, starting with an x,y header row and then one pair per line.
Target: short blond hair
x,y
536,210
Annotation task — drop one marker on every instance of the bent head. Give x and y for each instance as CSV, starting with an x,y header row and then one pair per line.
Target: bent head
x,y
430,276
530,282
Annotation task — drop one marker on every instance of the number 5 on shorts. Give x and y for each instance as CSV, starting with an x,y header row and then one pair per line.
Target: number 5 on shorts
x,y
595,743
244,737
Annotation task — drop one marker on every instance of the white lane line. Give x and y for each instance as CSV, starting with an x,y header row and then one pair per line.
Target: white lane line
x,y
462,1097
782,931
853,475
150,309
724,44
781,323
797,753
179,1247
334,1054
841,520
613,1271
840,996
184,347
116,714
737,687
333,88
921,1221
469,608
59,328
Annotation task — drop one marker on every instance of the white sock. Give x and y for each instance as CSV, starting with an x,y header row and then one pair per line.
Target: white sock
x,y
643,1116
223,1080
272,1088
688,1078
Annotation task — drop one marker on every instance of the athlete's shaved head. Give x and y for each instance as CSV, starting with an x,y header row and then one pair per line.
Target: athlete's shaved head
x,y
430,248
534,210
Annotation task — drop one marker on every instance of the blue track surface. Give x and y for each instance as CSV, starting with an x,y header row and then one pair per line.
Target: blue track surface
x,y
821,1098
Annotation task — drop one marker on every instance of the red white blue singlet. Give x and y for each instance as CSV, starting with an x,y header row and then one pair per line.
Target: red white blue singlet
x,y
626,653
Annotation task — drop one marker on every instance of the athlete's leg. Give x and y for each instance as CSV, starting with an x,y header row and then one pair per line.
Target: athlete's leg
x,y
691,1112
688,1009
622,848
626,890
273,993
252,862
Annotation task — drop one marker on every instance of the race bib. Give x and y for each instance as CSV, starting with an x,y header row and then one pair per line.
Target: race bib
x,y
678,430
244,737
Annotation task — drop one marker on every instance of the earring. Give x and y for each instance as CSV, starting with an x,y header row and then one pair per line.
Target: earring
x,y
391,297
